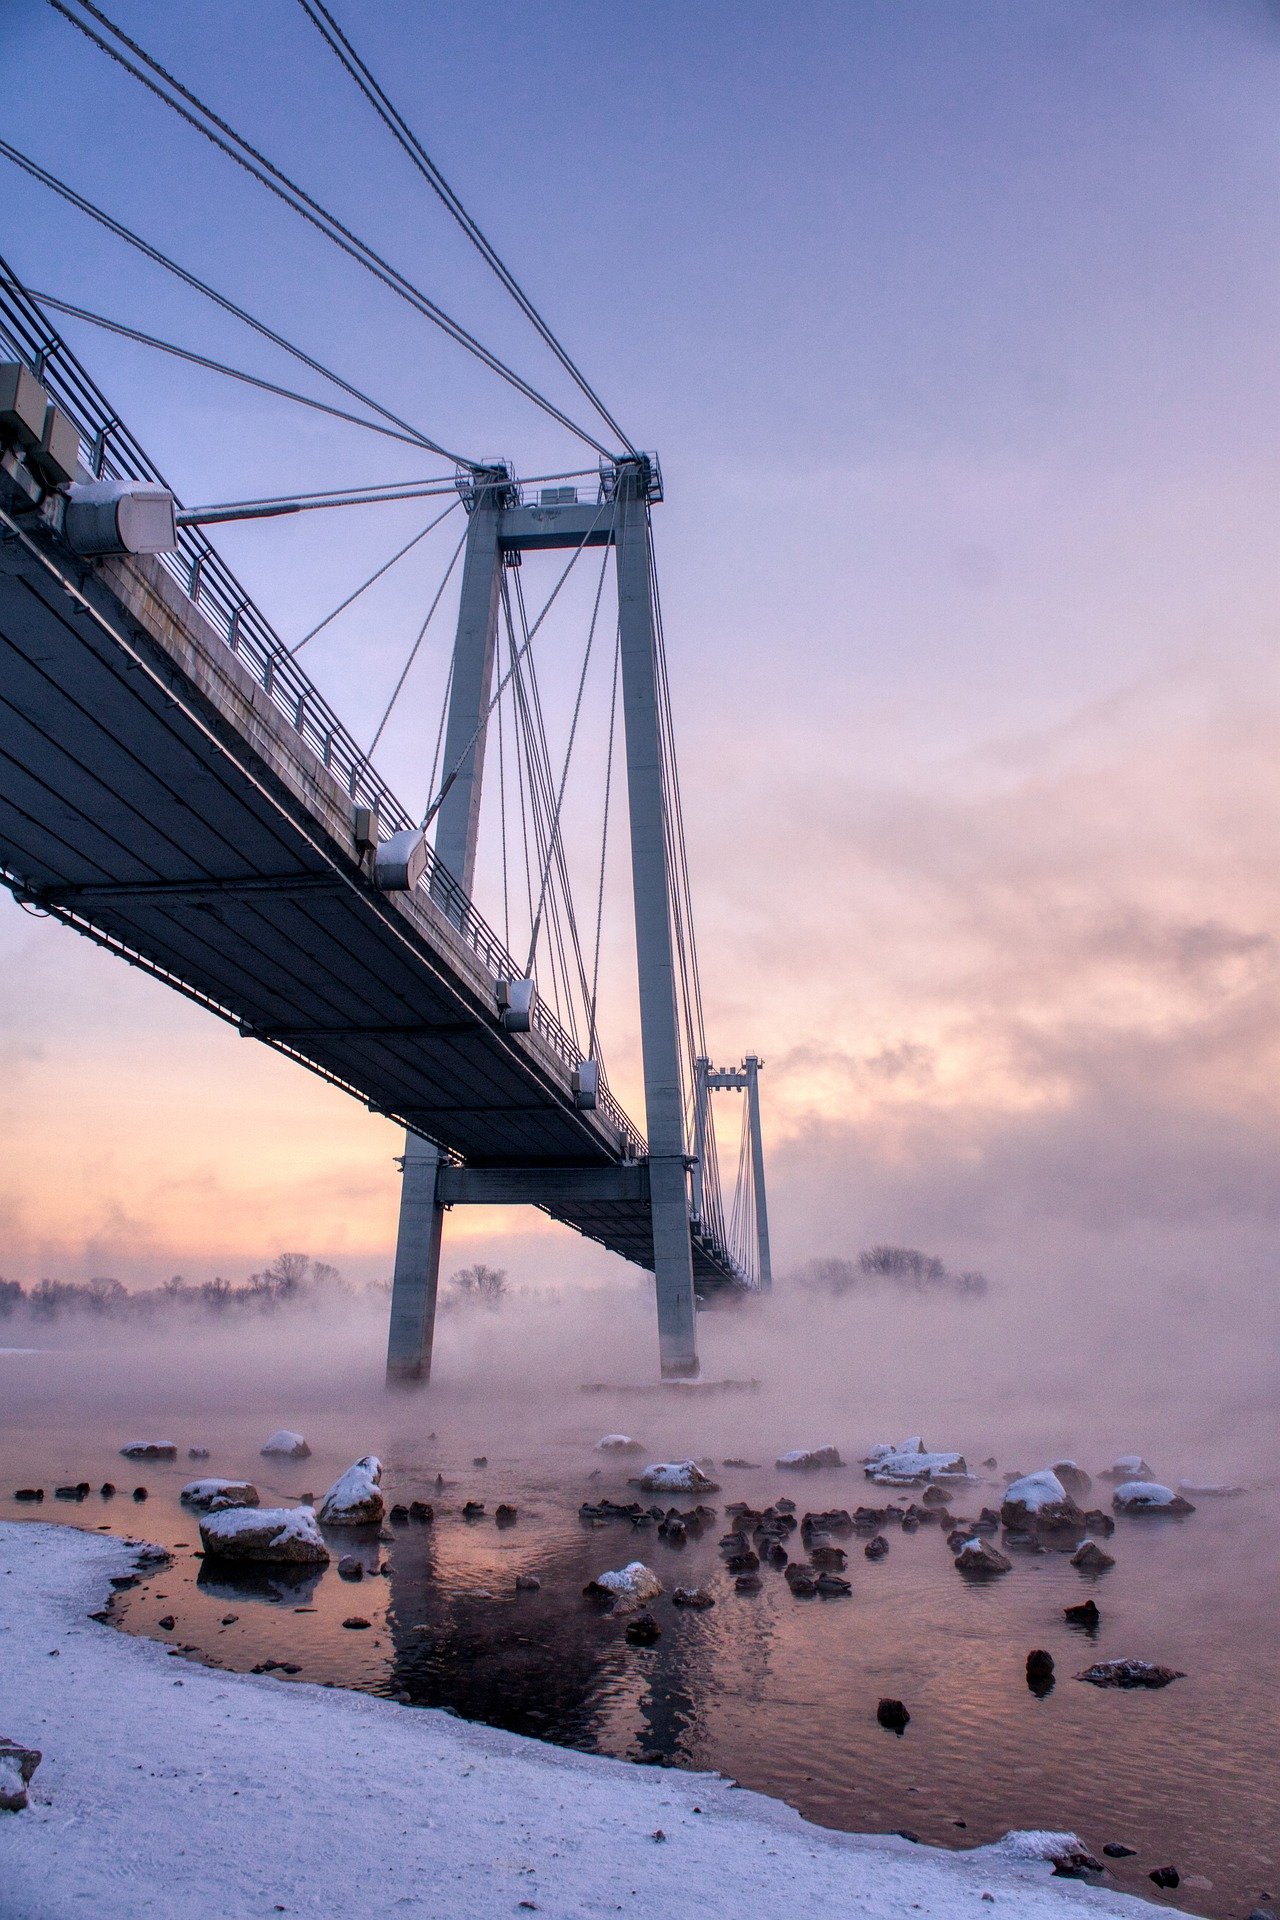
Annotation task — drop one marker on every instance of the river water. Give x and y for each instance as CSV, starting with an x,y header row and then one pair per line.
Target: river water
x,y
776,1691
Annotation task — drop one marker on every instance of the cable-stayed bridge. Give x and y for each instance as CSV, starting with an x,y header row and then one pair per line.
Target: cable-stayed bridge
x,y
175,787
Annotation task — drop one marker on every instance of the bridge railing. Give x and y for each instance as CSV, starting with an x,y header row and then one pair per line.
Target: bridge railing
x,y
110,451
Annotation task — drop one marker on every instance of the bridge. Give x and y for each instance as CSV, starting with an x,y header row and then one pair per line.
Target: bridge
x,y
176,789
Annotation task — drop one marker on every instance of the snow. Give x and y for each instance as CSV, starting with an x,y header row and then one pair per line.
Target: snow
x,y
243,1786
635,1583
291,1445
618,1443
676,1476
1036,1490
1146,1496
355,1498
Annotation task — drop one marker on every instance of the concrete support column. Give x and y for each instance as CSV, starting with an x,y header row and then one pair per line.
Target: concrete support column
x,y
752,1065
650,874
417,1269
458,821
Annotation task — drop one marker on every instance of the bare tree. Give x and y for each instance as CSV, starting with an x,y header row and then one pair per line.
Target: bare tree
x,y
485,1286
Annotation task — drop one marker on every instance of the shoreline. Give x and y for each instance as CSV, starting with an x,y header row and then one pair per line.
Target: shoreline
x,y
171,1789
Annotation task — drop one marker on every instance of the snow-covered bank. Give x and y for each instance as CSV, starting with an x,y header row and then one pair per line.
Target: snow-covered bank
x,y
171,1790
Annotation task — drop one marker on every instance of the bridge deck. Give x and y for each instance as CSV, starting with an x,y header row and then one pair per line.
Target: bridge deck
x,y
154,794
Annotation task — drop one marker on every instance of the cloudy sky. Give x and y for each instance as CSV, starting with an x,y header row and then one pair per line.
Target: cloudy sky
x,y
954,326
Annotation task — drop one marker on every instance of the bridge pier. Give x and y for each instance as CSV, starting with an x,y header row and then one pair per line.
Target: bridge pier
x,y
417,1270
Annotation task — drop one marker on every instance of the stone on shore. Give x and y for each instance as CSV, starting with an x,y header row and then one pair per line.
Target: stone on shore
x,y
271,1534
17,1764
287,1445
355,1498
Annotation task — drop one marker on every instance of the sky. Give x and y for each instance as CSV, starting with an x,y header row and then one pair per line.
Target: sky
x,y
953,326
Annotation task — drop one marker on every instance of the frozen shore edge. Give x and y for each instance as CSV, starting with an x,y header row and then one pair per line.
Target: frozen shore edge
x,y
174,1790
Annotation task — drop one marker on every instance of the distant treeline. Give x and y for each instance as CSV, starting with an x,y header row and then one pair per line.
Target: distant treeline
x,y
904,1269
291,1280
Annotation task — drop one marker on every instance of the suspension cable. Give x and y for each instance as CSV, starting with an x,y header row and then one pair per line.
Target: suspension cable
x,y
592,1037
222,135
213,366
121,232
413,651
358,70
366,584
434,807
568,755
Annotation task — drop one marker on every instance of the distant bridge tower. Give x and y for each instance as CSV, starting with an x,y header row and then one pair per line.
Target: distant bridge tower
x,y
501,528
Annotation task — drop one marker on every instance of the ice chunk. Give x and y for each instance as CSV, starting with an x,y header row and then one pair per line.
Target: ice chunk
x,y
291,1445
264,1533
355,1498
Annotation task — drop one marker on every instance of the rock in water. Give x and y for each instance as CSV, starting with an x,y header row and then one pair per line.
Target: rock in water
x,y
355,1498
282,1534
527,1583
1117,1850
289,1446
618,1443
877,1547
809,1459
1129,1673
1130,1466
1091,1558
197,1453
893,1714
1075,1481
211,1496
697,1597
150,1450
676,1476
17,1764
1039,1669
899,1466
349,1568
629,1586
1165,1876
1038,1500
979,1560
643,1630
1148,1496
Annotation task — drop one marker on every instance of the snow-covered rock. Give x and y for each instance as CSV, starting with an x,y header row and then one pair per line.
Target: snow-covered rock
x,y
150,1450
630,1586
618,1443
900,1466
17,1764
289,1446
1065,1852
355,1498
808,1459
1038,1500
211,1496
676,1476
1130,1466
1148,1496
1091,1558
264,1533
980,1560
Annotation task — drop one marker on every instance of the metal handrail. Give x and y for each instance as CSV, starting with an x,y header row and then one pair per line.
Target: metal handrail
x,y
208,582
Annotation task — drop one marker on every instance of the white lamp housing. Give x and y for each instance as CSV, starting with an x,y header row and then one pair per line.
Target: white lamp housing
x,y
119,516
